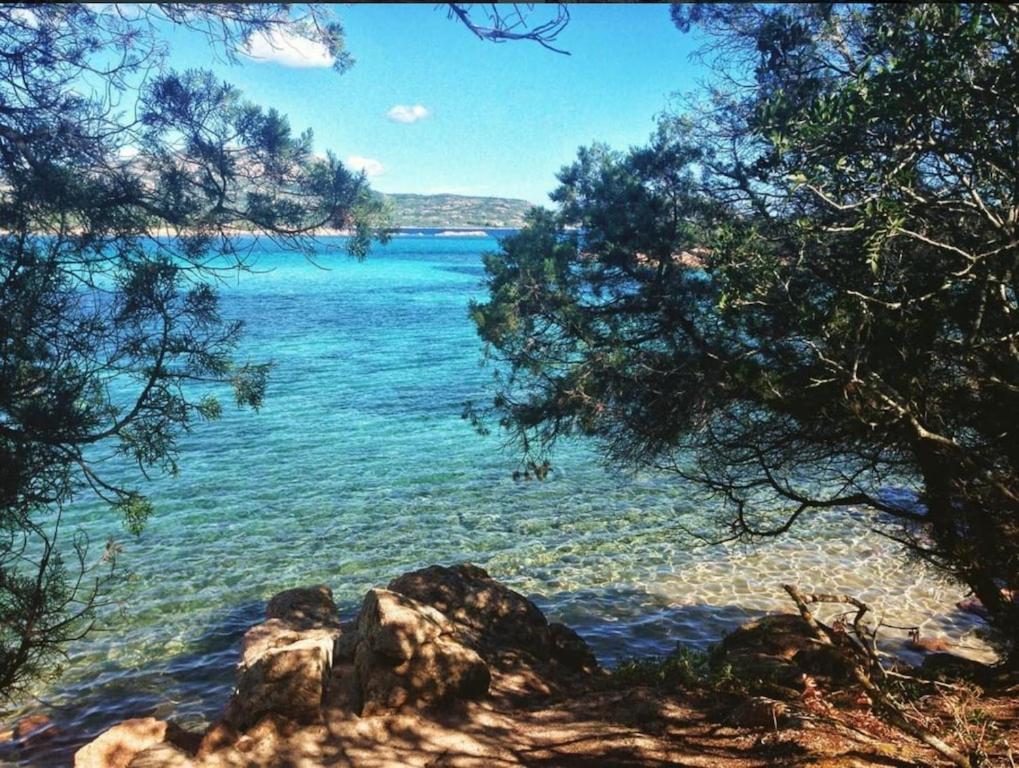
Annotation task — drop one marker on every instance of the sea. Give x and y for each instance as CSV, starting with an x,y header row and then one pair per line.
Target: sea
x,y
360,467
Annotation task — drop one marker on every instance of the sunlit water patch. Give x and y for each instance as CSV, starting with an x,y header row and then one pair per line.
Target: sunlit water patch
x,y
360,467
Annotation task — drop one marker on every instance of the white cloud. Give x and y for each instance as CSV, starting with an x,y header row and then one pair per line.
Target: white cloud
x,y
284,47
403,113
370,166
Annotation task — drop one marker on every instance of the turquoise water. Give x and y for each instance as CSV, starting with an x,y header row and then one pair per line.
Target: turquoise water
x,y
359,467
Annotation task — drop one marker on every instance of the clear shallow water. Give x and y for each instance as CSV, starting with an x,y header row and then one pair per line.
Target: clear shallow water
x,y
359,468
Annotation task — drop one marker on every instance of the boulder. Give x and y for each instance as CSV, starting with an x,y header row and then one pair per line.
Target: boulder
x,y
948,666
395,625
33,726
288,680
780,635
408,654
286,660
118,746
569,649
777,653
275,636
219,736
346,644
489,613
304,607
495,620
426,640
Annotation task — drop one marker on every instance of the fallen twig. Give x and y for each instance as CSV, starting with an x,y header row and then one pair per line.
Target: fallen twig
x,y
893,712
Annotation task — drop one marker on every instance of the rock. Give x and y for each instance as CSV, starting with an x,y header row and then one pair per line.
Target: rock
x,y
409,655
928,644
183,739
32,726
781,635
502,625
488,613
118,746
948,666
972,605
395,625
346,644
569,649
162,755
758,712
276,635
273,727
344,693
219,736
438,671
289,681
824,661
263,745
286,660
304,607
763,651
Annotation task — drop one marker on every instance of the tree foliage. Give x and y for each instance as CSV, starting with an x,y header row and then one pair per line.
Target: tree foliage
x,y
802,293
126,188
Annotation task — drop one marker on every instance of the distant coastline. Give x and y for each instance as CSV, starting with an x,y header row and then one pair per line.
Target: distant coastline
x,y
456,212
444,215
405,230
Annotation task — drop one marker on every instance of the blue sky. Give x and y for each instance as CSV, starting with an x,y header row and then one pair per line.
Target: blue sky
x,y
501,118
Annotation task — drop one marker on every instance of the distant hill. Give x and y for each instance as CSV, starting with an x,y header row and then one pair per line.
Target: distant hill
x,y
456,211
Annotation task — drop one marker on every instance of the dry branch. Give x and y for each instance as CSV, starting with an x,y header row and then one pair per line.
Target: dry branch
x,y
893,712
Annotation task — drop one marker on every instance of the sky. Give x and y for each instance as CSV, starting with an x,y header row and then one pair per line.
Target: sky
x,y
429,108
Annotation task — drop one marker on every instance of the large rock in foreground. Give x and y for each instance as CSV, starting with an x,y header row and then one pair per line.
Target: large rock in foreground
x,y
409,654
430,639
494,619
286,661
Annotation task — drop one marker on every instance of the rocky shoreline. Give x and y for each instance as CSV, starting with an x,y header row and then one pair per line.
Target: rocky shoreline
x,y
434,638
448,667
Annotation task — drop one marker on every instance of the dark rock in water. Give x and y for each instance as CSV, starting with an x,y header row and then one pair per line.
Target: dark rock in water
x,y
972,605
927,644
33,726
304,607
948,666
408,655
